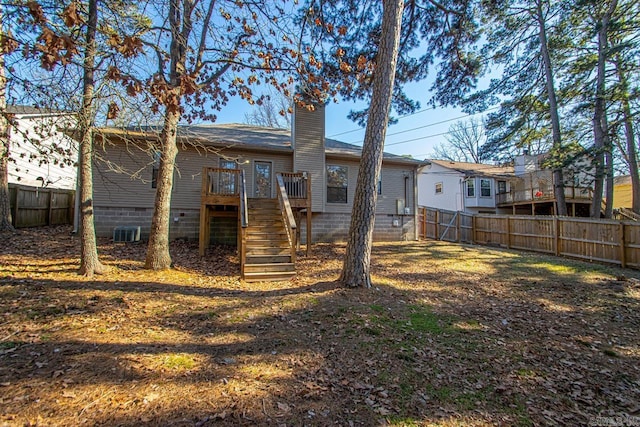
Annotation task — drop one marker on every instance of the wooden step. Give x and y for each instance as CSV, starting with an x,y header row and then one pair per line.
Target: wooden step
x,y
268,259
255,236
263,203
270,251
267,243
278,276
269,268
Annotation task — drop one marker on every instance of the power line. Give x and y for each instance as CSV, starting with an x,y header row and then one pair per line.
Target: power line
x,y
429,125
440,122
401,117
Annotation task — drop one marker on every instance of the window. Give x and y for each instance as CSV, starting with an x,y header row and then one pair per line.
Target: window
x,y
438,188
379,188
471,188
337,184
227,180
155,169
227,164
502,187
485,188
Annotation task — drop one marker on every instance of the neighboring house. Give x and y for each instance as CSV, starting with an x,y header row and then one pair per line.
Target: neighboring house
x,y
530,192
214,161
460,186
622,192
40,155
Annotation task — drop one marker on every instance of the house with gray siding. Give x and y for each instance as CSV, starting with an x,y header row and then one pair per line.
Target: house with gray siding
x,y
224,170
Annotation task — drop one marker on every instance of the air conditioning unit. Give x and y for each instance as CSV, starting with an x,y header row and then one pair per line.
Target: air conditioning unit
x,y
130,233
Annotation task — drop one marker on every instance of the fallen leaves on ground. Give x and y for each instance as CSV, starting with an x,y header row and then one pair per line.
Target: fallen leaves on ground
x,y
449,335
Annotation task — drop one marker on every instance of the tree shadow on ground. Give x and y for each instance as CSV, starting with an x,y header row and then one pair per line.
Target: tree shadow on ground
x,y
431,346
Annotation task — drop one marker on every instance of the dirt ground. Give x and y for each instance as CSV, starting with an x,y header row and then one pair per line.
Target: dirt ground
x,y
450,335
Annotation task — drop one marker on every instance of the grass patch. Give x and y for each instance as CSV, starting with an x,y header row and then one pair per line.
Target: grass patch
x,y
421,319
6,345
179,362
400,421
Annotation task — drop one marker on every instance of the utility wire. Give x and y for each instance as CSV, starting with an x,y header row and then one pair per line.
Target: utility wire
x,y
426,126
401,117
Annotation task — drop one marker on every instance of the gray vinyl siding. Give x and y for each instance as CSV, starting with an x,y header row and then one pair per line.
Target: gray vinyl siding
x,y
392,187
309,156
115,189
122,177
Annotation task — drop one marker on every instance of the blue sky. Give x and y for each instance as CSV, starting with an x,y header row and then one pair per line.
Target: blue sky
x,y
415,134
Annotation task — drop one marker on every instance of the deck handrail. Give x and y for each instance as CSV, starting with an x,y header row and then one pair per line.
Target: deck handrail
x,y
244,221
542,195
244,211
287,215
220,181
295,184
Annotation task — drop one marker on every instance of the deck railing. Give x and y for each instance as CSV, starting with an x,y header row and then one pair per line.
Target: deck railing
x,y
244,221
296,184
543,195
287,215
220,182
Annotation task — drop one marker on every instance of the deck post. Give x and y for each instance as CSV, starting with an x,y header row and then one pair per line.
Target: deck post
x,y
202,236
309,213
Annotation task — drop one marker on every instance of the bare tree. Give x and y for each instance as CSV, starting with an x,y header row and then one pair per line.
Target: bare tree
x,y
198,67
273,111
464,143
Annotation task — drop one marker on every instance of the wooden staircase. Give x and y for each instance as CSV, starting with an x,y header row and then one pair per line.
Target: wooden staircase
x,y
268,251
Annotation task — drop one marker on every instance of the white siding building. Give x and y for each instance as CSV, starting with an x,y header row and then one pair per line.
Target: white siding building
x,y
459,186
40,155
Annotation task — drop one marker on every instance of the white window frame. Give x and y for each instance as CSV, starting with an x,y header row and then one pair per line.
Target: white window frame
x,y
470,194
440,187
482,188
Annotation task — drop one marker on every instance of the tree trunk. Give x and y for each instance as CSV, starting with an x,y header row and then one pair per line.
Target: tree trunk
x,y
558,178
5,203
600,129
356,267
89,262
158,256
631,154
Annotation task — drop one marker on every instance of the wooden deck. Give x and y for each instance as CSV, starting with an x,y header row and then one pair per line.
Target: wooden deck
x,y
224,194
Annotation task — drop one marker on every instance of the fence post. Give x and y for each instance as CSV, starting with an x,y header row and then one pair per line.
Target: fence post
x,y
71,206
437,224
473,229
508,232
556,236
623,252
458,227
50,208
15,218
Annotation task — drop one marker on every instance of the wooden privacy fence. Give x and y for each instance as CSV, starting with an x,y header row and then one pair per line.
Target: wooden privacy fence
x,y
33,207
609,241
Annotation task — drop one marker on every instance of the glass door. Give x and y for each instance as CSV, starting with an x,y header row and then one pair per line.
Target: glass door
x,y
262,179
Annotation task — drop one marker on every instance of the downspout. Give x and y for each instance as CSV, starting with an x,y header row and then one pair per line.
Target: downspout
x,y
462,198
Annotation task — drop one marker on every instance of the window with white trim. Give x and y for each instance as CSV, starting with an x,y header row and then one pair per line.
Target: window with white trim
x,y
471,187
485,188
438,188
